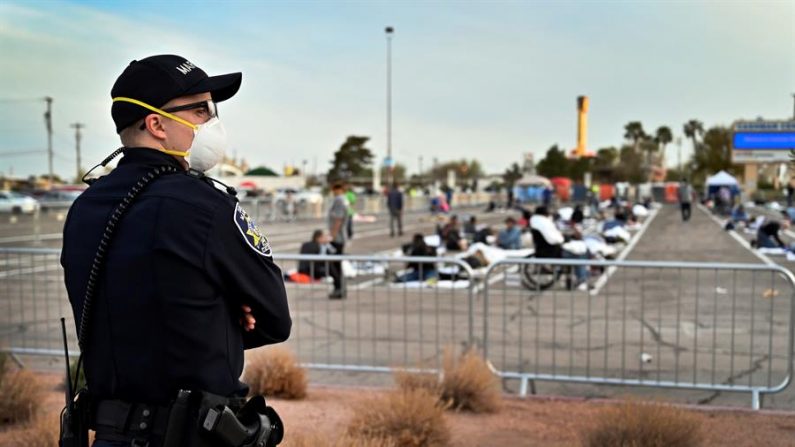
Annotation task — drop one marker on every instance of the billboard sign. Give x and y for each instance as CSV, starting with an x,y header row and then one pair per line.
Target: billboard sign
x,y
762,141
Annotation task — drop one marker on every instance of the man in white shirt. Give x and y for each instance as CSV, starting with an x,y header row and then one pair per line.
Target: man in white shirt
x,y
553,237
541,222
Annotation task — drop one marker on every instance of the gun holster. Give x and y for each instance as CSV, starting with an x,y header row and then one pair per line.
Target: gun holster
x,y
203,420
75,419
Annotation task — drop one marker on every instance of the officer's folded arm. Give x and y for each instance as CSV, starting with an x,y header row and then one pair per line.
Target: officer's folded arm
x,y
244,268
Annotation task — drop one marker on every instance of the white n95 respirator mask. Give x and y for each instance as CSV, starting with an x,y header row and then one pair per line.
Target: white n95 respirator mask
x,y
209,145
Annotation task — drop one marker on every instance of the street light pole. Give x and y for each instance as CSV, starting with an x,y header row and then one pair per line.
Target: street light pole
x,y
389,30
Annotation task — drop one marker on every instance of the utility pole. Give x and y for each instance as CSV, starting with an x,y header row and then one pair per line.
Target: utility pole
x,y
48,123
78,137
420,174
389,30
793,106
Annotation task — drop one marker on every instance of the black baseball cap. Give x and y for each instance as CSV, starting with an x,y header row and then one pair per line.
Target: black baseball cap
x,y
157,80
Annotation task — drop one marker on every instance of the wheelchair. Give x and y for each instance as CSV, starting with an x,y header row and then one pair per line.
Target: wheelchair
x,y
543,276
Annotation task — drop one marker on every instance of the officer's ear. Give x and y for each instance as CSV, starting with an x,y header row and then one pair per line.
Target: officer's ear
x,y
153,123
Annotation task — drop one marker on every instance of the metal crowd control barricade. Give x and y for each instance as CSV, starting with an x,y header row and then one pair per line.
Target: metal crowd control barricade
x,y
702,326
32,300
381,325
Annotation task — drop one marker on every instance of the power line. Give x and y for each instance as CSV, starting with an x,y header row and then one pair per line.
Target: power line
x,y
22,152
62,157
11,100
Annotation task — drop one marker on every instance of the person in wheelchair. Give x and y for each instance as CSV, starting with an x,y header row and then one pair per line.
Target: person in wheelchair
x,y
549,243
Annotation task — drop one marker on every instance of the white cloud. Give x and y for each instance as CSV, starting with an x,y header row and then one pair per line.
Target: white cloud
x,y
475,81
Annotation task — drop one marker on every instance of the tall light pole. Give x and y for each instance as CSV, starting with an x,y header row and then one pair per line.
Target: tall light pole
x,y
389,31
78,137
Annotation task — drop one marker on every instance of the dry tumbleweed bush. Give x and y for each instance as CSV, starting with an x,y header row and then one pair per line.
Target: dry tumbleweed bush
x,y
274,372
633,424
20,395
406,418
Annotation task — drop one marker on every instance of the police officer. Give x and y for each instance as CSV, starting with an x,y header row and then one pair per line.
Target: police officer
x,y
186,280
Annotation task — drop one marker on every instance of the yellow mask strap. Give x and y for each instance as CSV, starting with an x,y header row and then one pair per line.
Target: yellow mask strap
x,y
156,110
163,113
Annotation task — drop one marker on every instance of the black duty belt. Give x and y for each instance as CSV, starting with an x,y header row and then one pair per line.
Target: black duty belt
x,y
116,420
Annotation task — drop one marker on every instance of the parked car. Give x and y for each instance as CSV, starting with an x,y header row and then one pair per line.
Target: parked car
x,y
300,197
58,199
16,203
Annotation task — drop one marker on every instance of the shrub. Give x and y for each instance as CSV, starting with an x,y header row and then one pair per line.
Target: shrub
x,y
274,372
406,418
468,384
20,396
40,432
632,424
409,381
344,441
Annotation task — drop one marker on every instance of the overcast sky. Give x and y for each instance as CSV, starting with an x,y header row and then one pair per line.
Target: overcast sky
x,y
486,80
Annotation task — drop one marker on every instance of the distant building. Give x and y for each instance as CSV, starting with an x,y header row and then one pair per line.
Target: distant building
x,y
229,167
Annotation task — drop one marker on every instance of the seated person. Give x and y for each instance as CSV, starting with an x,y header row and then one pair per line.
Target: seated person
x,y
435,205
485,236
419,271
577,216
511,237
451,236
619,220
739,215
319,245
549,243
632,222
471,227
767,235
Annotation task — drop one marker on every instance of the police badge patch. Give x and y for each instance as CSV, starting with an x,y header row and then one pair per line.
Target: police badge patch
x,y
248,228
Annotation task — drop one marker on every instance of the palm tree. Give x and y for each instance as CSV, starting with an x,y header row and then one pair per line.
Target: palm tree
x,y
662,137
694,129
634,131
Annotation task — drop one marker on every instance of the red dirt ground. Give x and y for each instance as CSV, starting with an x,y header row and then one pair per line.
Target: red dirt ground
x,y
536,421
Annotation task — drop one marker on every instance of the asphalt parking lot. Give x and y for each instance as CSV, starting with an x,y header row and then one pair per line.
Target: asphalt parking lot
x,y
678,325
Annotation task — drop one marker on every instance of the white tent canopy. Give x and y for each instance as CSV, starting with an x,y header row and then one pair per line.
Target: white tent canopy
x,y
722,178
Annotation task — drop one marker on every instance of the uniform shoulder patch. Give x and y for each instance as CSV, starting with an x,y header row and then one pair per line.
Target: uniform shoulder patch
x,y
248,229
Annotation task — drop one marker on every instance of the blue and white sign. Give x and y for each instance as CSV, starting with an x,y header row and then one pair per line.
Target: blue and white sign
x,y
762,141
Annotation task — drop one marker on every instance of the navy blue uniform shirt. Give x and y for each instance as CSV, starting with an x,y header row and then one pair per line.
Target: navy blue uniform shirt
x,y
166,311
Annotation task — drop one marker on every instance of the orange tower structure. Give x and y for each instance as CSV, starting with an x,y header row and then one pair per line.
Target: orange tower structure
x,y
582,127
